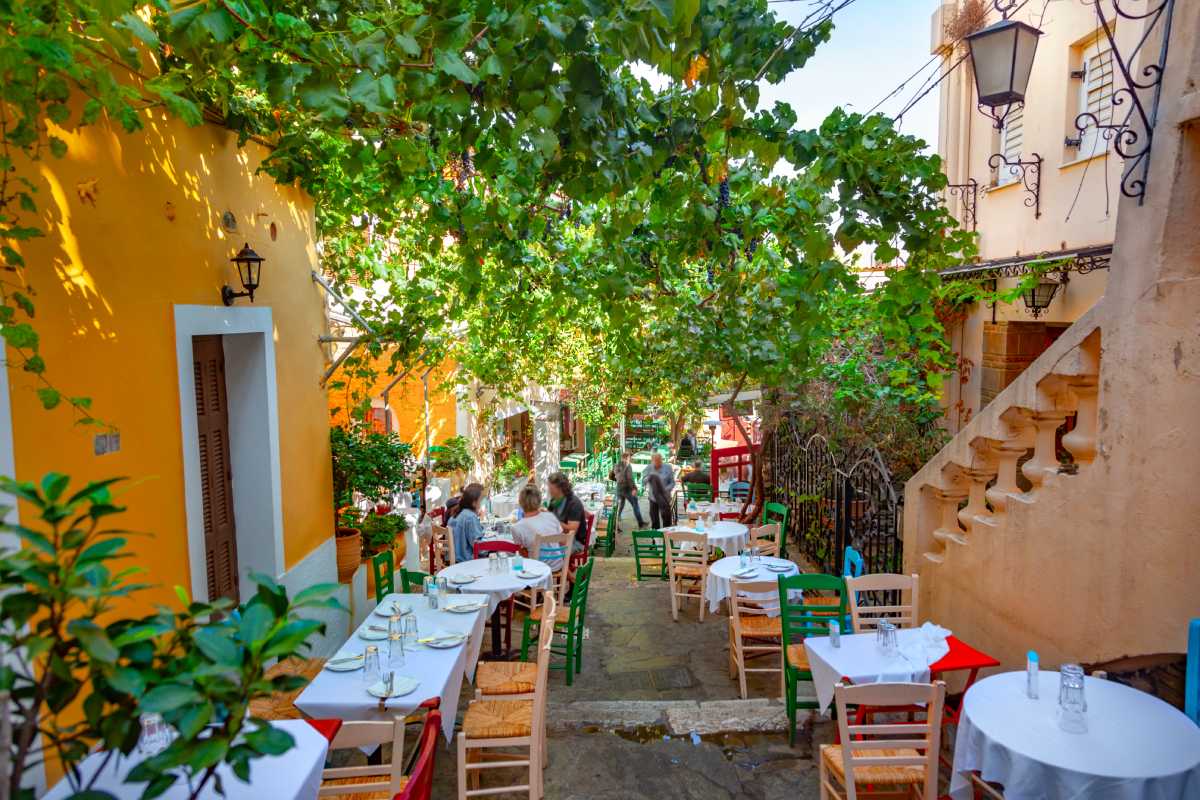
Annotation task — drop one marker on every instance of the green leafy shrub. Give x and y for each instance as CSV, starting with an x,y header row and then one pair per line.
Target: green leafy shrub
x,y
69,648
453,455
510,470
369,464
380,531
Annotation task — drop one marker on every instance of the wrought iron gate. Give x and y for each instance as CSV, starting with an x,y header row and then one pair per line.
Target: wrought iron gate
x,y
832,505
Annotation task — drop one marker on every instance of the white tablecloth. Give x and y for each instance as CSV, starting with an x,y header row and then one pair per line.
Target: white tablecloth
x,y
720,507
860,660
294,774
721,572
498,587
441,671
730,536
503,505
1136,747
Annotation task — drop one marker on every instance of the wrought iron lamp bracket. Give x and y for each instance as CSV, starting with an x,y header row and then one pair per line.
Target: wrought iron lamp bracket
x,y
1133,137
1030,173
969,192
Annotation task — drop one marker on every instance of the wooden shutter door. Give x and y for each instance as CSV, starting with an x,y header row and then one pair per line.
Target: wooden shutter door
x,y
216,478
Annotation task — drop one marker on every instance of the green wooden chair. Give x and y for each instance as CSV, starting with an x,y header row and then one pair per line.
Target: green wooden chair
x,y
700,492
607,542
385,574
568,623
778,512
649,555
802,617
412,581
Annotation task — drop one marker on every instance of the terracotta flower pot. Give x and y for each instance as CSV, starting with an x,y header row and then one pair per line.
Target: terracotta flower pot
x,y
349,552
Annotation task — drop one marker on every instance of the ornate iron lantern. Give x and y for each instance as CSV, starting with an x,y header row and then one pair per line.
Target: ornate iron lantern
x,y
1002,55
249,266
1038,298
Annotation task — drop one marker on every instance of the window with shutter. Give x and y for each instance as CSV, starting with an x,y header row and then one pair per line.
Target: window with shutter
x,y
216,479
1096,96
1012,137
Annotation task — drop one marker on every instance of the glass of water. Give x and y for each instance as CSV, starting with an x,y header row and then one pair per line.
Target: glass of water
x,y
1072,703
395,649
430,585
372,668
885,638
156,735
409,629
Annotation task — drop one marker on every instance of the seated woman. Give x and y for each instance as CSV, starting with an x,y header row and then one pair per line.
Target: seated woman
x,y
536,522
464,523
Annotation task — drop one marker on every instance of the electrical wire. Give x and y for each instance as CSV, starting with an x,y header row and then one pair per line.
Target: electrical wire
x,y
904,83
935,84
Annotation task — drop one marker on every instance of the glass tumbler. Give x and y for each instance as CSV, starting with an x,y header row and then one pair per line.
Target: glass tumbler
x,y
395,650
155,737
372,668
885,638
409,629
431,591
1072,702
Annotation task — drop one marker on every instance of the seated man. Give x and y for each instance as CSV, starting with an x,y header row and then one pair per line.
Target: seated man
x,y
697,474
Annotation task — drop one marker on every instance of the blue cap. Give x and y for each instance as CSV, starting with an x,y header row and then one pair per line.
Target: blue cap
x,y
1032,655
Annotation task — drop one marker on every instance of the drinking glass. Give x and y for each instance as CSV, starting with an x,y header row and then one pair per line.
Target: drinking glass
x,y
754,555
431,591
394,624
885,638
743,559
409,628
372,669
517,563
1072,703
395,650
155,737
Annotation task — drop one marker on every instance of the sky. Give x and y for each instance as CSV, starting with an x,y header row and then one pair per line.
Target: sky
x,y
876,44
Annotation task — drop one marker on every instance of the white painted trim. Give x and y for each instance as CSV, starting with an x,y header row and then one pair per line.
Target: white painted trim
x,y
249,342
8,460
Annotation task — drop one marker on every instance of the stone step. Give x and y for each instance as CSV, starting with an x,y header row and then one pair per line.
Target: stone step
x,y
674,717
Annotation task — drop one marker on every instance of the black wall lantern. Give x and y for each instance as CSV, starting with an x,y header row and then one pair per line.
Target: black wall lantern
x,y
1038,298
1002,55
249,266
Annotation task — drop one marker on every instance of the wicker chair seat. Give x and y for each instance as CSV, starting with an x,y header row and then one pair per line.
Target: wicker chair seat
x,y
760,626
379,794
797,657
884,774
498,719
281,705
689,571
506,677
561,617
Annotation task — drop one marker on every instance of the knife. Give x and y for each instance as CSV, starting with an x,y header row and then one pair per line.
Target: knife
x,y
347,659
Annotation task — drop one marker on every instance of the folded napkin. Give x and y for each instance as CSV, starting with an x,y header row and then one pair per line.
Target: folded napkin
x,y
925,645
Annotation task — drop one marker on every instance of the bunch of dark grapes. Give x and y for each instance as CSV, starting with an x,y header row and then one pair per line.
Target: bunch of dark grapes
x,y
723,195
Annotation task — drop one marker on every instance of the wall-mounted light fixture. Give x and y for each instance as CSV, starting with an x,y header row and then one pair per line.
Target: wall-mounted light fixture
x,y
1038,297
1002,57
249,266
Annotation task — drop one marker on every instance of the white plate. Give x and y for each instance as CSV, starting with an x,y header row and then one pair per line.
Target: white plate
x,y
745,573
463,580
349,666
527,575
465,608
446,641
403,685
385,609
372,636
778,567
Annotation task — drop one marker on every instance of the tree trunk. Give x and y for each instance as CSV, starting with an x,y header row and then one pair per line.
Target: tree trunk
x,y
483,435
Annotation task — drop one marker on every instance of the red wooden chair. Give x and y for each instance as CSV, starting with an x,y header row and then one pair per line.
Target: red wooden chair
x,y
580,557
506,609
419,784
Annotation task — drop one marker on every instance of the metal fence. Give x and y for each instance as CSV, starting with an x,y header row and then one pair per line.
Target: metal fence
x,y
835,500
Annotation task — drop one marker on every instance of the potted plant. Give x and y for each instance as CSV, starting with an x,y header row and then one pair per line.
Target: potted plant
x,y
513,467
380,532
454,458
367,466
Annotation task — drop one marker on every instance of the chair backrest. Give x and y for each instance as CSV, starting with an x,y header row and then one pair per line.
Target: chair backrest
x,y
685,547
384,569
498,546
802,618
589,519
648,546
441,548
861,744
739,490
420,780
695,490
764,601
766,536
412,580
555,546
372,777
852,563
882,596
545,641
579,595
1191,691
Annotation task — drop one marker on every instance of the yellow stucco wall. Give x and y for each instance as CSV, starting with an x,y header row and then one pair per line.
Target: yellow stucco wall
x,y
107,277
406,402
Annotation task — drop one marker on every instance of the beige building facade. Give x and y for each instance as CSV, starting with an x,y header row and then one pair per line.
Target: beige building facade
x,y
1036,190
1089,556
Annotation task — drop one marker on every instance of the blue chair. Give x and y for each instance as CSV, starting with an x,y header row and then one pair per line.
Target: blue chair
x,y
739,490
1191,690
852,563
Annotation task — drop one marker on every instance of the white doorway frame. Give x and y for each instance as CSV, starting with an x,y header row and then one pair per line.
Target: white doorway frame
x,y
248,336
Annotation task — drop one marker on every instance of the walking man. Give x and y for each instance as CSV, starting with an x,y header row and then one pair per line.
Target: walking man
x,y
660,508
626,489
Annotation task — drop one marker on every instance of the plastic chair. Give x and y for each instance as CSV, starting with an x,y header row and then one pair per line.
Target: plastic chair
x,y
383,566
1191,691
649,555
801,618
852,563
779,514
412,581
892,759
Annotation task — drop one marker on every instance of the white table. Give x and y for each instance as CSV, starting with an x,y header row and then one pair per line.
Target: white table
x,y
503,505
720,573
342,695
731,537
720,507
498,586
294,774
860,660
1136,746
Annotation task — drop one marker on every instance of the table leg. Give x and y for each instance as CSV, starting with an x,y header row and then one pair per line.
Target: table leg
x,y
496,632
